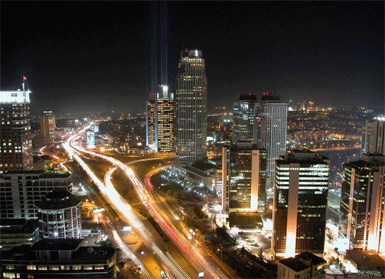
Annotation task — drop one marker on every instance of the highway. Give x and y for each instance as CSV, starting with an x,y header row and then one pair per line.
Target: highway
x,y
123,208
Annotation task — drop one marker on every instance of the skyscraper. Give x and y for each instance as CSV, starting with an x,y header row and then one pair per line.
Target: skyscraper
x,y
160,121
191,107
299,204
270,132
15,131
243,115
150,121
373,136
47,125
362,203
165,119
243,176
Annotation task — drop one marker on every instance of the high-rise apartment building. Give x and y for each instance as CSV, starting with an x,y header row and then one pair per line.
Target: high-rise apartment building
x,y
59,215
165,119
243,177
270,132
373,136
362,219
15,131
191,108
299,203
47,125
243,116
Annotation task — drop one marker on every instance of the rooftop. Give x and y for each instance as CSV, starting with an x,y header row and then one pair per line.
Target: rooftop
x,y
299,262
57,244
58,199
79,254
365,259
249,97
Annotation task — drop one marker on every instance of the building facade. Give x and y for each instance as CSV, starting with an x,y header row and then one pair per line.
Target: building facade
x,y
47,125
191,108
20,191
15,131
270,132
165,119
362,209
90,138
243,177
58,258
299,204
59,215
150,121
373,136
243,117
16,232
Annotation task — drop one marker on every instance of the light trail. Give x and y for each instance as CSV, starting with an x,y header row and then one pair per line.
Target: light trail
x,y
120,205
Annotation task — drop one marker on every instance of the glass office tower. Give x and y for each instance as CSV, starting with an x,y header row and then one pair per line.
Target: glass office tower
x,y
191,108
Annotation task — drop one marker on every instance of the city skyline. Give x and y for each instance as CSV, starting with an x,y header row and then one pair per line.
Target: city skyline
x,y
325,52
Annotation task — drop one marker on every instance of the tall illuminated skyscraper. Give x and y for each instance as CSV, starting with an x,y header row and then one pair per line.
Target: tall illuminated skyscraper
x,y
243,115
270,132
15,131
191,107
165,119
150,121
299,204
160,121
47,124
362,208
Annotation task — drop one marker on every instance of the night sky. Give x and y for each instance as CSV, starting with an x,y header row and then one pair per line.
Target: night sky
x,y
94,56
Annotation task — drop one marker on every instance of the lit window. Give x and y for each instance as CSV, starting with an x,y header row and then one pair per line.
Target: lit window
x,y
65,267
99,267
42,267
10,267
54,267
76,267
87,267
31,267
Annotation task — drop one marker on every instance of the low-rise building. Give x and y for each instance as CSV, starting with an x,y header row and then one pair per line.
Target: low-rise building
x,y
303,266
58,258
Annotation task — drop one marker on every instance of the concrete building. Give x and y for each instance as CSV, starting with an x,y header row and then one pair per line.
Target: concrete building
x,y
58,258
373,136
270,132
243,117
47,125
243,177
191,108
299,204
15,131
19,191
59,215
303,266
362,203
